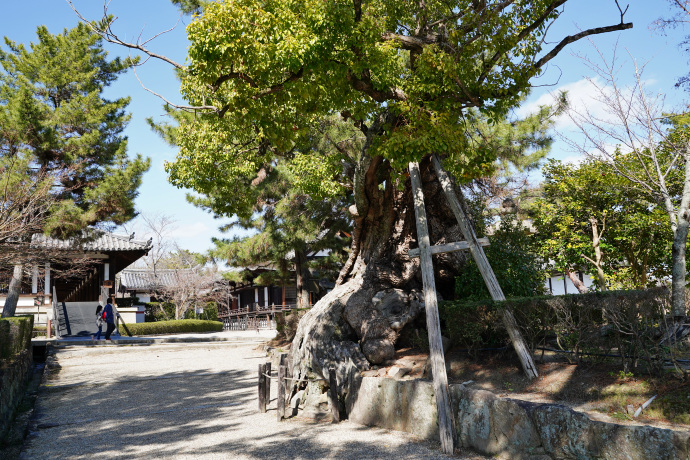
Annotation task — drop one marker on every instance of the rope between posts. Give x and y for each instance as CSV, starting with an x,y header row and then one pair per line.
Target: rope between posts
x,y
296,380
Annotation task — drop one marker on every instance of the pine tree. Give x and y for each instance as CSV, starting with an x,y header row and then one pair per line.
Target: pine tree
x,y
54,114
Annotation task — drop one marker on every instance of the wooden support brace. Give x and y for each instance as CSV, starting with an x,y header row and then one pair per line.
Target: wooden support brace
x,y
485,269
438,362
450,247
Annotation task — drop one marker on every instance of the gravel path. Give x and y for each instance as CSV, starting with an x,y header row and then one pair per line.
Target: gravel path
x,y
184,401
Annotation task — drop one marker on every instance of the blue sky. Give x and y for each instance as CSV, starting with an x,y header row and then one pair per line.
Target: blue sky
x,y
195,227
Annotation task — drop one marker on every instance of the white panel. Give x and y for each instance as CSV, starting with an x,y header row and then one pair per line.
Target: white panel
x,y
46,289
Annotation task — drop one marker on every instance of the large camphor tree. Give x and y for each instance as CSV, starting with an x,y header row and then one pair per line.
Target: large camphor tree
x,y
416,78
67,138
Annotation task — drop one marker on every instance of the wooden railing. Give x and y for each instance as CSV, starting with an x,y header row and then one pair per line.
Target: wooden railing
x,y
252,317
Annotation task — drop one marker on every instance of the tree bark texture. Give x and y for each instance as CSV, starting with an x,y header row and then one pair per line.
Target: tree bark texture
x,y
302,278
680,241
598,254
579,285
13,292
379,290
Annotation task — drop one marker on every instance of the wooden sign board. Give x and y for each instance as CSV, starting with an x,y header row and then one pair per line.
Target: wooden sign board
x,y
108,283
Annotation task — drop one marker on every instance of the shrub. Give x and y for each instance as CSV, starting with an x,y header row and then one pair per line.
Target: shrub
x,y
15,335
514,260
126,302
159,311
210,313
173,327
630,322
286,323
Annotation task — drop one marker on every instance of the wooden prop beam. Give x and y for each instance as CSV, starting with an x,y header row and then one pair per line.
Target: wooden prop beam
x,y
438,362
485,268
449,247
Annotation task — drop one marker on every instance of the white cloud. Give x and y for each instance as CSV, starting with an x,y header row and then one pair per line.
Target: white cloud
x,y
189,231
582,96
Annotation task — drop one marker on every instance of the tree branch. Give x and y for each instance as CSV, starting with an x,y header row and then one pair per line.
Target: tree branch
x,y
107,34
573,38
364,85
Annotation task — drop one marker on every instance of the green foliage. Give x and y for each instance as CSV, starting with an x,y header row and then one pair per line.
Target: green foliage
x,y
276,70
53,114
210,313
159,311
471,324
286,324
126,302
588,325
15,335
515,262
173,327
632,228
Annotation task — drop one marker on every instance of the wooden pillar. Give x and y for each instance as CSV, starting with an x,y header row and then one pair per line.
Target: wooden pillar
x,y
485,269
433,324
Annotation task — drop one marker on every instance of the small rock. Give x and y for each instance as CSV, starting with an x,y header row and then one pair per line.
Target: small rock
x,y
397,372
630,409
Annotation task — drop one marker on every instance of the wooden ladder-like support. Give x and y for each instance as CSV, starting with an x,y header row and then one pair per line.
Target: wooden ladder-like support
x,y
425,251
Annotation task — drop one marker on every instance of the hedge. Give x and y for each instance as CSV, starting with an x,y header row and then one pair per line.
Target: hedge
x,y
173,327
628,324
15,335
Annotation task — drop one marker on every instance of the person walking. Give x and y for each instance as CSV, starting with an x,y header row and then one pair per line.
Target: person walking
x,y
99,322
109,318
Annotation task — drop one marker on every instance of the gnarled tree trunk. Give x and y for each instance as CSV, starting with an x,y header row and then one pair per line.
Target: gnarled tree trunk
x,y
379,289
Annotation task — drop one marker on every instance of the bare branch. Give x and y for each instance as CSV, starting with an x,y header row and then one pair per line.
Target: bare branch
x,y
108,35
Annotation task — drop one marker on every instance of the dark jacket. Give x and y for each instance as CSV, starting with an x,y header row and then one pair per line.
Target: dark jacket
x,y
109,316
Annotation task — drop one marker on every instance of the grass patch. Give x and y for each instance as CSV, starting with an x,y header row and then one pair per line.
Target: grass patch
x,y
173,327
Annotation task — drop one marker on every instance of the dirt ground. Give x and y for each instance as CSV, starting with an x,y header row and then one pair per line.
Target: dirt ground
x,y
599,388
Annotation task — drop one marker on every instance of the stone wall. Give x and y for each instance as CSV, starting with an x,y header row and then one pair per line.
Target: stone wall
x,y
16,362
510,428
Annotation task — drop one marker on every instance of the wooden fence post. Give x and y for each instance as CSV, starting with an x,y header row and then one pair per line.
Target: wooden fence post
x,y
281,392
433,324
282,368
333,396
262,388
268,383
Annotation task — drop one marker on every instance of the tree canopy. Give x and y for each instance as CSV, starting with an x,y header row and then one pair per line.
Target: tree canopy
x,y
267,72
61,145
53,112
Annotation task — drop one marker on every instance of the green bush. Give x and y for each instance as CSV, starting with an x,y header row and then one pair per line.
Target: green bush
x,y
173,327
126,302
286,323
514,260
210,313
625,323
15,335
159,311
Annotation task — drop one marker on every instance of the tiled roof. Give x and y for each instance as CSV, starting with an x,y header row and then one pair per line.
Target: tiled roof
x,y
145,279
93,240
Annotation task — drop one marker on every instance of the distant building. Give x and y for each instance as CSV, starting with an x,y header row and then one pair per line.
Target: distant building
x,y
75,285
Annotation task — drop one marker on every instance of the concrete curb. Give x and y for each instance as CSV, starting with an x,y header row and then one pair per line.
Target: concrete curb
x,y
142,341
